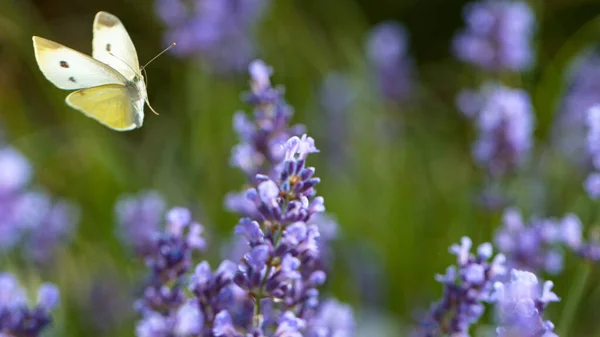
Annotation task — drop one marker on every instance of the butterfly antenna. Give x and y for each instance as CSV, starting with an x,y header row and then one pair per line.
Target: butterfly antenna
x,y
147,101
125,63
162,52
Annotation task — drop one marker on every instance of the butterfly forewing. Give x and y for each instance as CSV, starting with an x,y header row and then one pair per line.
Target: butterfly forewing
x,y
113,46
110,105
69,69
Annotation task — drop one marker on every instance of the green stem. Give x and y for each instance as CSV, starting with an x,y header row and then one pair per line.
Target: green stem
x,y
259,295
573,299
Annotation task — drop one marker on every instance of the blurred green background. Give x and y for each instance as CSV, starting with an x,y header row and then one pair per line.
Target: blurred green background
x,y
401,199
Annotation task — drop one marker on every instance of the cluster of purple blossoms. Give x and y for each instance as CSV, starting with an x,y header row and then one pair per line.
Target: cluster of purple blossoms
x,y
538,245
498,35
284,228
387,51
217,31
466,287
16,318
520,304
30,217
592,183
164,305
504,119
271,292
273,289
263,136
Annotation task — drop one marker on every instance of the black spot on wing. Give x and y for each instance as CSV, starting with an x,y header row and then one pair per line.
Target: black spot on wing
x,y
108,47
72,79
64,64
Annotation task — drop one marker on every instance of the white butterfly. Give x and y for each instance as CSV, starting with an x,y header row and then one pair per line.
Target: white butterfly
x,y
113,91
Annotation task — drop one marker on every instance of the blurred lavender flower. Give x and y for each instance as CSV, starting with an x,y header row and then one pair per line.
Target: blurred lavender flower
x,y
521,303
592,183
572,237
28,216
504,119
582,91
139,218
337,96
387,50
16,318
218,31
334,319
466,286
498,35
535,246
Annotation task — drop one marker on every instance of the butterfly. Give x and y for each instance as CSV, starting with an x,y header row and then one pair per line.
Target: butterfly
x,y
111,87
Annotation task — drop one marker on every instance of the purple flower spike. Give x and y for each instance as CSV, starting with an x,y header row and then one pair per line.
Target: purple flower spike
x,y
504,120
168,255
387,51
262,137
498,36
275,284
218,32
466,287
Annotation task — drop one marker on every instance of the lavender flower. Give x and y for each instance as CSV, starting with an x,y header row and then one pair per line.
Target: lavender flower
x,y
27,216
582,92
592,183
466,286
535,246
273,289
16,318
262,137
163,304
139,218
337,96
282,266
521,303
218,31
498,35
283,255
572,237
504,119
387,50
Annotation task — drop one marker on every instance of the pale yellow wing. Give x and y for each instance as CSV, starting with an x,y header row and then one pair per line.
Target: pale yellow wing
x,y
110,104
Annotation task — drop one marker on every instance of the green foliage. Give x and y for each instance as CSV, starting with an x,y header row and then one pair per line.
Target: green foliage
x,y
403,197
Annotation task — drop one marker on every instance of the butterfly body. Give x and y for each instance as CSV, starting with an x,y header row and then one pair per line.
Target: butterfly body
x,y
110,88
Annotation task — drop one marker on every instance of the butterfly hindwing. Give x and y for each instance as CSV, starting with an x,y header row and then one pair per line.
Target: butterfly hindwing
x,y
110,105
113,46
69,69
